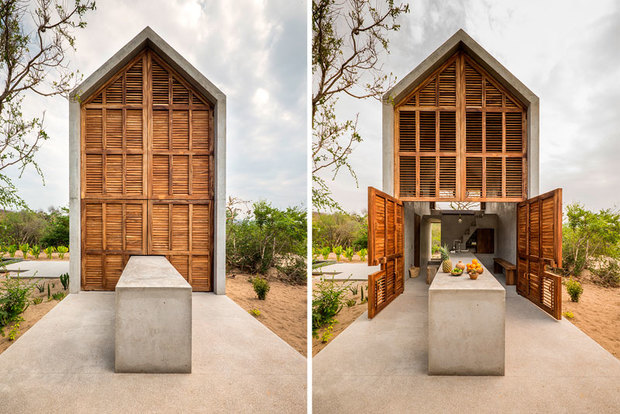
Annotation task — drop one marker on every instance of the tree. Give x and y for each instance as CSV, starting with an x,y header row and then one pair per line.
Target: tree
x,y
34,39
347,41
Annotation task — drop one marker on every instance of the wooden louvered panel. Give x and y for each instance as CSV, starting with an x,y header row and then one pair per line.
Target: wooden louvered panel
x,y
547,207
473,86
473,132
447,131
473,172
514,177
514,132
534,229
447,86
494,177
427,177
428,94
522,230
385,229
522,276
428,137
447,177
406,132
533,276
493,132
94,129
122,174
407,178
493,95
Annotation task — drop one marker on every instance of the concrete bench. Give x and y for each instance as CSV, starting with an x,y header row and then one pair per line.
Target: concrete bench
x,y
511,270
153,318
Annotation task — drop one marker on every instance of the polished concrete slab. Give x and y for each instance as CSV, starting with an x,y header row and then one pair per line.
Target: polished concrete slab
x,y
551,366
43,269
65,364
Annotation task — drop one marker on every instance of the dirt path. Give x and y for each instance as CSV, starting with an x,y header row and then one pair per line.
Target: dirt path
x,y
597,314
283,311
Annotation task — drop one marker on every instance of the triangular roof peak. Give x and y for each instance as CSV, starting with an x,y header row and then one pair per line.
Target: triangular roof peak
x,y
460,41
148,38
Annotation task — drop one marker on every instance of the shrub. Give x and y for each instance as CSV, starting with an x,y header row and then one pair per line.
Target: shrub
x,y
14,331
574,289
61,251
315,252
338,251
59,296
607,274
261,287
35,251
295,268
37,300
327,301
57,229
328,333
49,251
13,299
254,312
351,302
339,228
348,253
24,248
12,249
325,251
362,254
64,279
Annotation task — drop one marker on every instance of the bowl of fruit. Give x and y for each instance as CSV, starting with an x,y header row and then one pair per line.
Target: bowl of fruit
x,y
474,269
457,271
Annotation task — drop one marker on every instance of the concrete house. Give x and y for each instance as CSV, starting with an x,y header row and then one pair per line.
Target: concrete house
x,y
461,128
147,168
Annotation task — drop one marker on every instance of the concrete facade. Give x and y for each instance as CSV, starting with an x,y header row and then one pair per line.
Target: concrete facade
x,y
466,324
153,324
148,37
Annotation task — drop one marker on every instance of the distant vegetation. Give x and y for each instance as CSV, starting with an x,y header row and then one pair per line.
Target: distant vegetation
x,y
35,228
340,229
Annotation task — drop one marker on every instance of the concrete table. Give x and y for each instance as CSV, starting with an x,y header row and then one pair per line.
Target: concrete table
x,y
466,323
153,318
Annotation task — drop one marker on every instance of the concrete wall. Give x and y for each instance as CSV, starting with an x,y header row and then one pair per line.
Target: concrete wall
x,y
452,230
422,208
506,236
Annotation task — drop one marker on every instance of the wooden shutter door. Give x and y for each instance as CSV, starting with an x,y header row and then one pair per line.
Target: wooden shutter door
x,y
539,244
385,247
147,175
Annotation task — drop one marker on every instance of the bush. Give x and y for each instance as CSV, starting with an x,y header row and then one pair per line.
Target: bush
x,y
57,229
574,289
362,254
325,251
607,274
338,251
35,251
13,299
340,229
49,251
61,251
327,302
24,248
12,249
295,268
261,287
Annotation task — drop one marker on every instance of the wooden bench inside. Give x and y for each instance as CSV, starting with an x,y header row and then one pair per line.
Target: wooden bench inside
x,y
509,268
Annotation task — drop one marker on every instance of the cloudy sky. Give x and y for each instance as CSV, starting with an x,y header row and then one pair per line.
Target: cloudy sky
x,y
253,50
568,53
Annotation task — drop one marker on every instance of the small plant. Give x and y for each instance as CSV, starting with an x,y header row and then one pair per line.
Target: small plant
x,y
351,302
35,251
3,249
315,252
348,253
37,300
49,251
325,251
362,294
59,296
64,279
338,250
40,287
254,312
14,331
574,289
261,287
61,251
12,249
362,254
49,295
13,299
24,248
327,301
568,314
354,289
328,333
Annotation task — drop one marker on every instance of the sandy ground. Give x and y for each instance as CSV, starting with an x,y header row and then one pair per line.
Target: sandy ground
x,y
283,310
42,256
34,312
597,314
345,318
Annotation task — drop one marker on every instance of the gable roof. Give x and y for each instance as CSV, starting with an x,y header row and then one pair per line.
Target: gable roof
x,y
460,41
148,38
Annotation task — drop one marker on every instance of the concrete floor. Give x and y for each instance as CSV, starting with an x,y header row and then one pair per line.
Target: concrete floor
x,y
65,363
42,269
551,366
344,271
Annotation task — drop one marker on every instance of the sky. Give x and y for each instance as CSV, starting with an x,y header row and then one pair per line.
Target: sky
x,y
567,53
252,50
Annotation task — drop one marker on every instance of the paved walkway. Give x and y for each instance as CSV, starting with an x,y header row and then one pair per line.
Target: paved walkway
x,y
42,269
344,271
551,366
65,363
